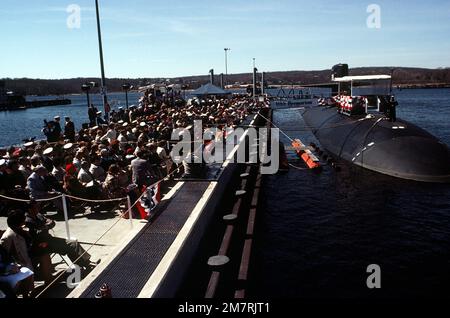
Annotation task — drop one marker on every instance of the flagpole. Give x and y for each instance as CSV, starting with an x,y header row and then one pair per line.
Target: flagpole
x,y
102,66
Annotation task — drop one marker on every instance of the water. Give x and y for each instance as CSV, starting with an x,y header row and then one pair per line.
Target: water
x,y
319,232
21,124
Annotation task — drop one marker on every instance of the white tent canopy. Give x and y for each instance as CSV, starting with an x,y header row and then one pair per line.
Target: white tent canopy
x,y
209,89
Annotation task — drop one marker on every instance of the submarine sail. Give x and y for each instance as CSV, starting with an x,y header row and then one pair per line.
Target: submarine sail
x,y
364,131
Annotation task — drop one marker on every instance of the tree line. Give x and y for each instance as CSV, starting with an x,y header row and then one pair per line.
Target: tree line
x,y
401,76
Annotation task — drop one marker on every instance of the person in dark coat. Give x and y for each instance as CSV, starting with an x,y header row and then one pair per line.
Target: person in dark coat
x,y
58,129
69,130
39,227
51,132
92,112
141,170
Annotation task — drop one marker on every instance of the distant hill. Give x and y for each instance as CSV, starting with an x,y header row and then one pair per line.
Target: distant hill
x,y
403,76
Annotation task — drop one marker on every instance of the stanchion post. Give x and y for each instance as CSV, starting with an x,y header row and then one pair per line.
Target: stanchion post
x,y
130,213
66,216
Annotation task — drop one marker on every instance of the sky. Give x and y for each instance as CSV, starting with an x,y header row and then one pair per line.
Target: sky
x,y
147,38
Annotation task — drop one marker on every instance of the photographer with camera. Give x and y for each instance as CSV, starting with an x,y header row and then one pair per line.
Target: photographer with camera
x,y
50,131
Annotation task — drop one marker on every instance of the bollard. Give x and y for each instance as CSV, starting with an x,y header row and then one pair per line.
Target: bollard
x,y
105,291
66,216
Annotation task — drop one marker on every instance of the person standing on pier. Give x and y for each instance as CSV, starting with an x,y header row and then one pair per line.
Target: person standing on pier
x,y
69,130
92,113
58,129
107,111
50,132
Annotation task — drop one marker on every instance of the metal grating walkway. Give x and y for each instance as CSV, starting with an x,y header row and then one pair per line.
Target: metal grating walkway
x,y
131,270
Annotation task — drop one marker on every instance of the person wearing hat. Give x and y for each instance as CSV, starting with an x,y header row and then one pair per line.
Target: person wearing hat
x,y
50,131
58,130
69,130
47,162
111,134
100,120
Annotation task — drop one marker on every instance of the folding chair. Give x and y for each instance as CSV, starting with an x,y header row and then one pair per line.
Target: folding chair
x,y
63,259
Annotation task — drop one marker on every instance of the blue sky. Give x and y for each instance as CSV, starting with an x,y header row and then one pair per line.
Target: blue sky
x,y
147,38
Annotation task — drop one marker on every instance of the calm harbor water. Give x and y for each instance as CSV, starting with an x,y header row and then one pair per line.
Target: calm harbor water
x,y
319,232
21,124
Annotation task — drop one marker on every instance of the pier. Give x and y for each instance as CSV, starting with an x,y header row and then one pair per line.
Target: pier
x,y
22,105
154,262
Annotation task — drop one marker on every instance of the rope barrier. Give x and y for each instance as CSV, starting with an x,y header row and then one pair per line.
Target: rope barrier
x,y
128,211
95,201
28,201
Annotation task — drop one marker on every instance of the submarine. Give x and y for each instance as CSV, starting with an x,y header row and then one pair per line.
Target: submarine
x,y
359,125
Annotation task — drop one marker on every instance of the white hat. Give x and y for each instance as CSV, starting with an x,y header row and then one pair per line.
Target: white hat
x,y
2,162
56,117
29,144
99,112
95,128
125,125
48,151
142,124
120,122
68,146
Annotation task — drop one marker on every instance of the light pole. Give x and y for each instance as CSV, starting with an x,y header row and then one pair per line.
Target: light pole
x,y
126,87
226,64
86,88
102,66
255,70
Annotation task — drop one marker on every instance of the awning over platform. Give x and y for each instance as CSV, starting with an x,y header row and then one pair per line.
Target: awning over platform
x,y
209,89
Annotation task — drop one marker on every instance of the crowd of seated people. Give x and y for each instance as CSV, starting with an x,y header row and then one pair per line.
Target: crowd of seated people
x,y
43,170
100,162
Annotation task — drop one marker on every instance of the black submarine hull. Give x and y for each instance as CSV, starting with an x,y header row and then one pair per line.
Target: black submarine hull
x,y
399,149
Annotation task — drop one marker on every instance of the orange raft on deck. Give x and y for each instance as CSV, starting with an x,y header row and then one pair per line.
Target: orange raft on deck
x,y
308,157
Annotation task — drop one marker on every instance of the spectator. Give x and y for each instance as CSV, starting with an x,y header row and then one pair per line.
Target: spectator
x,y
16,241
69,130
112,186
141,170
58,171
39,189
111,134
96,170
39,227
14,278
84,176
